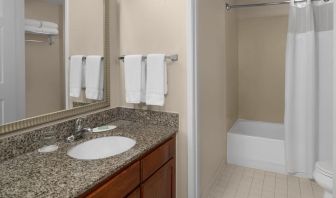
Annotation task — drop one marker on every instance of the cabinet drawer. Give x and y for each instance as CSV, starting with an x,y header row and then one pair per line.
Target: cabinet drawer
x,y
157,158
121,185
161,184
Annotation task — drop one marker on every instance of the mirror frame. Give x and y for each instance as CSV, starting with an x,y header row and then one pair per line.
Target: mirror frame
x,y
63,114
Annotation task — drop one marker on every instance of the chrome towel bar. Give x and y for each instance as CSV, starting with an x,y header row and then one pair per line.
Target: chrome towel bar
x,y
172,58
84,58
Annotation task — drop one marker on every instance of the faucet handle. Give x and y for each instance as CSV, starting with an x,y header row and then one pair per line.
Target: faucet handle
x,y
70,138
79,124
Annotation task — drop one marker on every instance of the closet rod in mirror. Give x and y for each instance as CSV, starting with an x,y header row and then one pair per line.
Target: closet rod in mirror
x,y
230,6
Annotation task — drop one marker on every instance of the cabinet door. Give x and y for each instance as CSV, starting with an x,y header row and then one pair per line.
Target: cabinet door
x,y
156,159
121,185
161,184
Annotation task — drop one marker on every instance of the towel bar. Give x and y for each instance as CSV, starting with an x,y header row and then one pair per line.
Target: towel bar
x,y
172,58
84,58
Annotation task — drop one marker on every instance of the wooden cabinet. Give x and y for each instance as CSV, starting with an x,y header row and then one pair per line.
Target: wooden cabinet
x,y
161,184
156,159
135,193
152,176
120,185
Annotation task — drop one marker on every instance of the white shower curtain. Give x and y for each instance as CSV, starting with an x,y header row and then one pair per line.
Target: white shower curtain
x,y
308,99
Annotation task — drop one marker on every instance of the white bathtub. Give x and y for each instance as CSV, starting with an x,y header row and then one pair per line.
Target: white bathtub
x,y
257,145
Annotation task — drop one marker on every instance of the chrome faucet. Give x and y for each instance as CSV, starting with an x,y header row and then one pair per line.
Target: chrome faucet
x,y
79,131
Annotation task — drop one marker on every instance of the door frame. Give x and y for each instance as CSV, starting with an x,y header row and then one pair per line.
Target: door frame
x,y
20,62
17,62
334,103
193,152
66,53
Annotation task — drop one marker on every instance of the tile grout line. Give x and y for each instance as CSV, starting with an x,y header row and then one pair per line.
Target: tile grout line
x,y
254,171
241,179
228,180
300,188
262,185
287,187
231,169
275,185
237,172
248,194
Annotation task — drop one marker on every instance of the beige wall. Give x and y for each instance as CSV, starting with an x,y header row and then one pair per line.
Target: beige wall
x,y
217,85
86,32
115,68
44,63
159,26
86,27
262,43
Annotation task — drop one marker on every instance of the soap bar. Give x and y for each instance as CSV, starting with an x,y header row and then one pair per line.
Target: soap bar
x,y
48,149
103,128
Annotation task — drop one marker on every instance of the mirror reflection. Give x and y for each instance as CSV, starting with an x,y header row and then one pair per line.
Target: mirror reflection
x,y
51,56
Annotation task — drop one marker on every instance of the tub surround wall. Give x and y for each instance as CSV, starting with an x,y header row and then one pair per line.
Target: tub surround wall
x,y
217,85
262,48
29,141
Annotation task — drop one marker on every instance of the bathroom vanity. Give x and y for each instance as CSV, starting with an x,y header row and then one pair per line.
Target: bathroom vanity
x,y
150,176
146,170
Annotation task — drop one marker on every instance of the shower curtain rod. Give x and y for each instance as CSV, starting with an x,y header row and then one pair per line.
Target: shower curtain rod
x,y
230,6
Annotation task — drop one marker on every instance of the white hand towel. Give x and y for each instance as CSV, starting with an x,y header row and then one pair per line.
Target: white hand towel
x,y
33,23
94,78
47,24
135,79
156,85
76,69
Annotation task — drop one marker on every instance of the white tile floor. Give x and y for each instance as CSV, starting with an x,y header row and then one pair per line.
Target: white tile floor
x,y
239,182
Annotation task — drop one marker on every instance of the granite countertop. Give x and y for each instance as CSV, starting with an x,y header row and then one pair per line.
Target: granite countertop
x,y
57,175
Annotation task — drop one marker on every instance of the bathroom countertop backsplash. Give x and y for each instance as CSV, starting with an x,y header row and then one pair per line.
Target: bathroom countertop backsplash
x,y
27,173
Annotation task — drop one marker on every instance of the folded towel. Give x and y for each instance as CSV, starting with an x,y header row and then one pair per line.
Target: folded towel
x,y
94,78
47,24
76,69
50,31
134,79
33,23
156,85
33,29
37,30
143,81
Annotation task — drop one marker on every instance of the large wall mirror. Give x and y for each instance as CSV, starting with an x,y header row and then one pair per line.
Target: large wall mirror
x,y
53,60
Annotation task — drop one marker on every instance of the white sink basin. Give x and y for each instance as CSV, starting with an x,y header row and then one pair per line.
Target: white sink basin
x,y
101,148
